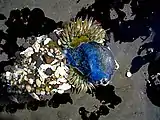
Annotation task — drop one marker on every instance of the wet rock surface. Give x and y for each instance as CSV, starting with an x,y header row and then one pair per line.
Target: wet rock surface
x,y
135,104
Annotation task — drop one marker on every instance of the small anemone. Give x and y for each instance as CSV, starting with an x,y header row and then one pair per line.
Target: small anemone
x,y
78,31
79,81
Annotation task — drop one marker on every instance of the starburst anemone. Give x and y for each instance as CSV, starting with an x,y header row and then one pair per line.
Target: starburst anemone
x,y
80,31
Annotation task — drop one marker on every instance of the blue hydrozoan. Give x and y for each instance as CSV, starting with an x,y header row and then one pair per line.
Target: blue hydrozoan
x,y
93,60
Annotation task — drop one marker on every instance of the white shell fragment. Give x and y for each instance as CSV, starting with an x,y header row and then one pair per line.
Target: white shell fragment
x,y
129,74
35,96
64,87
60,91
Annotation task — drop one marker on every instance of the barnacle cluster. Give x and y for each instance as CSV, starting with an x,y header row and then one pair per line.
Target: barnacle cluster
x,y
41,71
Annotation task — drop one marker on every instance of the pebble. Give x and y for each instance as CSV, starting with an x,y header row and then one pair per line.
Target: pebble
x,y
52,82
31,81
48,71
63,80
60,91
34,85
28,88
22,86
19,81
7,68
48,59
54,90
54,61
38,82
47,89
11,82
43,92
38,92
51,50
42,49
59,42
25,78
30,60
58,82
26,45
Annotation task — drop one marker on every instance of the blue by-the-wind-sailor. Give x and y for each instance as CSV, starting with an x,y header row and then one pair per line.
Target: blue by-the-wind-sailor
x,y
93,60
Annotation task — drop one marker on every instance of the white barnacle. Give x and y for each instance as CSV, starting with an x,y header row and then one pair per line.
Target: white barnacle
x,y
50,54
16,76
52,82
62,80
60,71
47,40
8,75
42,49
28,52
42,74
29,60
64,86
44,67
51,50
36,46
59,42
54,61
41,38
43,92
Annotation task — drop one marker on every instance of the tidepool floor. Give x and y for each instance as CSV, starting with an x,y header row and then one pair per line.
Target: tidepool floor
x,y
135,104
